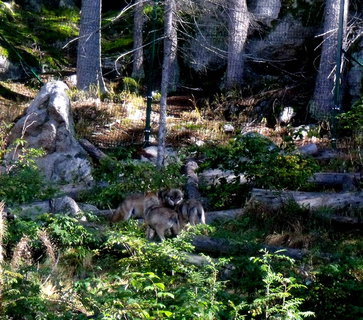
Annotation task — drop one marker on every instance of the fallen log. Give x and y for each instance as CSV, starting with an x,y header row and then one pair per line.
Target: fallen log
x,y
311,200
212,216
216,246
92,150
341,181
342,201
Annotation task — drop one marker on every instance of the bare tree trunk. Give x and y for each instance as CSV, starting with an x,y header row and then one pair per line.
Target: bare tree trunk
x,y
137,65
323,99
170,46
89,70
238,28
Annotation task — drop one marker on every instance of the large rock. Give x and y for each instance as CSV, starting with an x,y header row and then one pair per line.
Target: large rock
x,y
63,205
10,70
48,124
284,43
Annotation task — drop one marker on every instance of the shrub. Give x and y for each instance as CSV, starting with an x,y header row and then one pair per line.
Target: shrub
x,y
22,180
263,164
131,176
277,299
353,119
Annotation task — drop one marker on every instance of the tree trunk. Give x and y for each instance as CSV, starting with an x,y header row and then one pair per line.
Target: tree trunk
x,y
89,72
170,46
238,28
137,65
323,99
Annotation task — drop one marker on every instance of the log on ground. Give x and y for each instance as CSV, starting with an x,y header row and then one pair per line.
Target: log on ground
x,y
312,200
216,246
92,150
342,181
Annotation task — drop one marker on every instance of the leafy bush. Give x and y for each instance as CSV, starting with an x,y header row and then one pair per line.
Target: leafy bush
x,y
152,281
262,163
66,231
22,180
277,299
353,119
337,288
22,296
225,194
17,228
129,176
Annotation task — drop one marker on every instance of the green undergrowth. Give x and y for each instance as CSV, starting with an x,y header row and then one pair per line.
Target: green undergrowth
x,y
116,179
37,37
108,272
261,163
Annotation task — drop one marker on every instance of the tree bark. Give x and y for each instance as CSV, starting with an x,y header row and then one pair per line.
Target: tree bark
x,y
238,28
137,65
89,72
323,99
170,46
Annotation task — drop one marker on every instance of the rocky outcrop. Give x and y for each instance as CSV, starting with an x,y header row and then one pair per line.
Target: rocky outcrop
x,y
48,124
283,43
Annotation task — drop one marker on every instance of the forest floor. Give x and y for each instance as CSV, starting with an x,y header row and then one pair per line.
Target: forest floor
x,y
110,124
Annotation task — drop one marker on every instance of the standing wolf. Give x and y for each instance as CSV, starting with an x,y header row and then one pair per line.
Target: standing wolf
x,y
191,211
161,220
134,206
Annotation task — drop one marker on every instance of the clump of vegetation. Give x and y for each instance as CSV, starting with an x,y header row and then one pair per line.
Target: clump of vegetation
x,y
352,121
21,180
120,178
276,300
262,163
126,275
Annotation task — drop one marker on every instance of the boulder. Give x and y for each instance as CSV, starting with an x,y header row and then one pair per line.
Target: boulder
x,y
310,149
283,43
10,70
149,154
48,124
63,205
